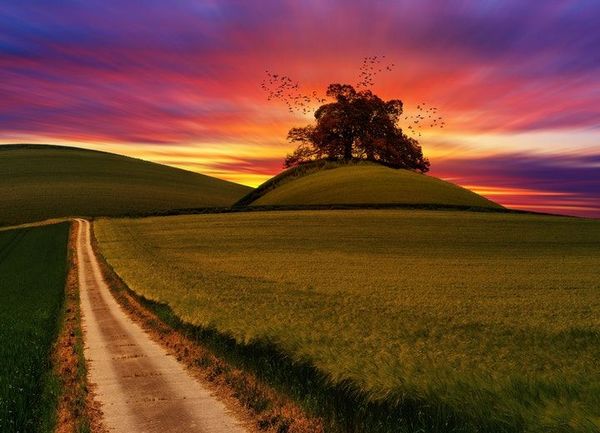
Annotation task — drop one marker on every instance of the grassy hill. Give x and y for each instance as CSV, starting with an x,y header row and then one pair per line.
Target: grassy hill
x,y
40,182
362,183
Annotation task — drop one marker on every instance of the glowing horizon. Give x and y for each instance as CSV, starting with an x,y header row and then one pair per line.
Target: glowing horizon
x,y
518,84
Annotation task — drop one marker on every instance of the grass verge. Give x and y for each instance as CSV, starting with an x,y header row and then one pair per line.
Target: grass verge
x,y
77,412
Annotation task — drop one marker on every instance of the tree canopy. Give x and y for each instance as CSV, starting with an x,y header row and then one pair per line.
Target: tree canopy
x,y
359,125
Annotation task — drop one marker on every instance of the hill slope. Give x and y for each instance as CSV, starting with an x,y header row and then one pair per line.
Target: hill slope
x,y
40,182
364,184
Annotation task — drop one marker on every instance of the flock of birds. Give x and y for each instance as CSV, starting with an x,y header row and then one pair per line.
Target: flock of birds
x,y
283,88
369,69
425,116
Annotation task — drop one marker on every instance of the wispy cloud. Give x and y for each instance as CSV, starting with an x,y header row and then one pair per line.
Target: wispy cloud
x,y
559,184
136,77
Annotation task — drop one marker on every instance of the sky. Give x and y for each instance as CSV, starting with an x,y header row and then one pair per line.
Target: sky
x,y
178,82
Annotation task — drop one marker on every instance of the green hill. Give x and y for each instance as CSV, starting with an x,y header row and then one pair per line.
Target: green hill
x,y
40,182
361,183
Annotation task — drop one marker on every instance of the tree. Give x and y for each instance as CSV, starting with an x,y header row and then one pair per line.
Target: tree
x,y
357,126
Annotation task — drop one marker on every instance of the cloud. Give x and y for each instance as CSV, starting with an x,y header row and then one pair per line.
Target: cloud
x,y
488,62
187,72
562,183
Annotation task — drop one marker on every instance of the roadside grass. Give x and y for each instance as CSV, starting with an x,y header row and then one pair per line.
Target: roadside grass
x,y
388,320
33,269
76,410
42,182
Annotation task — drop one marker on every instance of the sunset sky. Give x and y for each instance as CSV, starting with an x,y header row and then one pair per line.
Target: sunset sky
x,y
178,82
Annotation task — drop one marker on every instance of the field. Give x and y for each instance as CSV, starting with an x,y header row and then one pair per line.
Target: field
x,y
43,182
445,321
33,268
367,184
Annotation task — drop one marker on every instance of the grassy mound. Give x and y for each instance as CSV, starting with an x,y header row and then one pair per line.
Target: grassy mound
x,y
360,183
40,182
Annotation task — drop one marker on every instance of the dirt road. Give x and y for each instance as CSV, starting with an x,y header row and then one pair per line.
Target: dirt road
x,y
140,386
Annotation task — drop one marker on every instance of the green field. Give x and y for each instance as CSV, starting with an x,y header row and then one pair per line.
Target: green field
x,y
459,321
42,182
365,184
32,269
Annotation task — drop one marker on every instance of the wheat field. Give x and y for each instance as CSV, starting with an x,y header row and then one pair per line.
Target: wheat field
x,y
485,322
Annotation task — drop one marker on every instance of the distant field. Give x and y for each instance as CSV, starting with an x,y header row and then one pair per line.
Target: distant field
x,y
467,321
42,182
32,269
366,184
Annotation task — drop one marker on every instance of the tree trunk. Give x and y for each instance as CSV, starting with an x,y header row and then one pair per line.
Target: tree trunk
x,y
348,151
